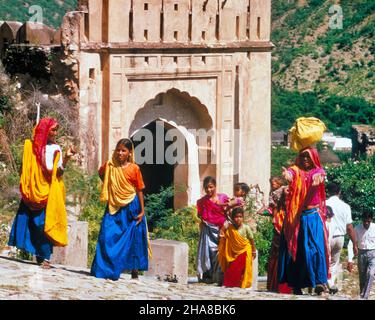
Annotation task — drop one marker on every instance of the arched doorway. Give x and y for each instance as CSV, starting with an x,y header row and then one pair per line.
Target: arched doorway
x,y
168,122
156,174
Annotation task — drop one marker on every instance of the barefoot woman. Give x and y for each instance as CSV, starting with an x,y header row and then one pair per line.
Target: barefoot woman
x,y
41,221
303,258
123,238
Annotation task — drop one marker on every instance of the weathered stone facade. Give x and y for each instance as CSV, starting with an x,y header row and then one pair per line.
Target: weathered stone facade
x,y
35,33
189,64
171,64
8,34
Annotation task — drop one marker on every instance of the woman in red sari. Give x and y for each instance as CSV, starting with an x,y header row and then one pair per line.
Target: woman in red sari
x,y
303,258
211,210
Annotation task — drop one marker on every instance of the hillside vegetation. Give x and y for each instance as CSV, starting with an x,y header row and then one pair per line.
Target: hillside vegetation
x,y
317,70
320,71
311,56
53,10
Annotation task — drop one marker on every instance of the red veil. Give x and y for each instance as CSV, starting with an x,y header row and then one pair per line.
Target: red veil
x,y
40,139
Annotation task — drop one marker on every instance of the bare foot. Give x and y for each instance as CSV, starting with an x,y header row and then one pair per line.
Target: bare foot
x,y
46,265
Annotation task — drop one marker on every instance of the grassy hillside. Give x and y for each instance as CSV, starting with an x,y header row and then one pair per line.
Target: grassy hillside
x,y
53,10
320,71
317,71
310,56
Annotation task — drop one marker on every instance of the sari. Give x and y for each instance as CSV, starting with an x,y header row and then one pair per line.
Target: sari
x,y
213,218
304,253
41,220
235,258
122,244
277,209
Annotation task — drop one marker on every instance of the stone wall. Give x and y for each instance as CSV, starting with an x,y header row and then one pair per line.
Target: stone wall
x,y
75,253
195,21
133,54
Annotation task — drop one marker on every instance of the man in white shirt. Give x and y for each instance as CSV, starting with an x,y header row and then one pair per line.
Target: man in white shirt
x,y
340,225
365,233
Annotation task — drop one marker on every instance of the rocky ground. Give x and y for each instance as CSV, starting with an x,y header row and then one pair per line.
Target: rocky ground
x,y
27,281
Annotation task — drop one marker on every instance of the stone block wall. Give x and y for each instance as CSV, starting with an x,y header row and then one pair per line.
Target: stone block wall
x,y
195,21
170,260
75,253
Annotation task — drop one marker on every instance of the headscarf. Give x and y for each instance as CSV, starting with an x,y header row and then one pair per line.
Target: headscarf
x,y
40,139
314,156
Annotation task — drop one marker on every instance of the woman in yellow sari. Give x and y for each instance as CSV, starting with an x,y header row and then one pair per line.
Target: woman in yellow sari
x,y
41,220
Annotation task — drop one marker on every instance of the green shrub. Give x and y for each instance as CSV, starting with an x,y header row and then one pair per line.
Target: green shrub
x,y
263,240
337,112
281,157
157,206
357,180
92,210
181,225
263,233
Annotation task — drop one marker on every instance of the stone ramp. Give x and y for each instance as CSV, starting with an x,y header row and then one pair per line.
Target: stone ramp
x,y
27,281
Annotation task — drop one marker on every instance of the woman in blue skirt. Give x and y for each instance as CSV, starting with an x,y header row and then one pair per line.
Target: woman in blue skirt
x,y
123,239
304,253
41,222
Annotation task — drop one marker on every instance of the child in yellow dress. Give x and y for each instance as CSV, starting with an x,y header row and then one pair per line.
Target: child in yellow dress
x,y
236,251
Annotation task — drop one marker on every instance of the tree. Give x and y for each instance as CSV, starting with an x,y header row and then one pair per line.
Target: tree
x,y
357,181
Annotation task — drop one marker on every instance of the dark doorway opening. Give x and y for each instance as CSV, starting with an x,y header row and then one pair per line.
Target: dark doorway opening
x,y
155,175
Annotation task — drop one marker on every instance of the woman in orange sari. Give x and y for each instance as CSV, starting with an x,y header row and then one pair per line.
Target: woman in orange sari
x,y
304,254
123,239
41,221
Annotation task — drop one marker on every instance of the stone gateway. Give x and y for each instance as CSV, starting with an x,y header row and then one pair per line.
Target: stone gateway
x,y
182,65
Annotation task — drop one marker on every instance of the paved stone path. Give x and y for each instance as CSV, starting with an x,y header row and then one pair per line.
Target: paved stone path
x,y
28,281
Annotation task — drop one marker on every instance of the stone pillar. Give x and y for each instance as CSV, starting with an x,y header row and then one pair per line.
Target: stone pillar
x,y
75,253
255,122
170,260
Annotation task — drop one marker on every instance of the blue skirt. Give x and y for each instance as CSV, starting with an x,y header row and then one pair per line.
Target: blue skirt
x,y
310,267
28,232
122,245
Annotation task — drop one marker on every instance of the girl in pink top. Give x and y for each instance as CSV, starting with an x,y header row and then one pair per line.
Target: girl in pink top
x,y
212,213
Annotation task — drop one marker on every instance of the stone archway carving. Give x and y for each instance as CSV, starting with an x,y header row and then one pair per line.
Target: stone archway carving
x,y
191,113
183,112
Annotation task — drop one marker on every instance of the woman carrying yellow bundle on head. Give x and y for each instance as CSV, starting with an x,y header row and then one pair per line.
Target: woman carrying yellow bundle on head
x,y
41,220
237,251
